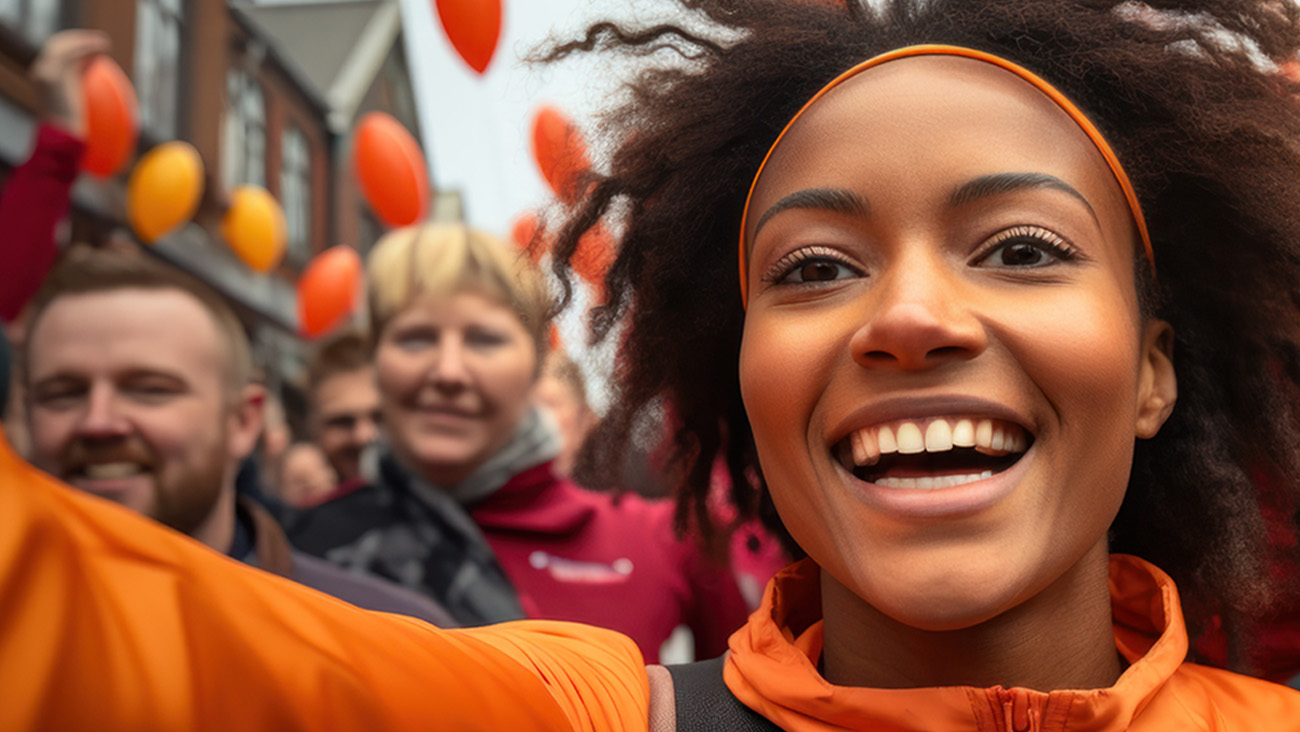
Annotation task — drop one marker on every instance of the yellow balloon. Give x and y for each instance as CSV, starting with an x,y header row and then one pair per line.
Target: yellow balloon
x,y
164,190
254,228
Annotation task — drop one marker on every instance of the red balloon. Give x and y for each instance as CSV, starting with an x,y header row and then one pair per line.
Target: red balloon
x,y
525,232
328,290
110,107
560,152
473,27
391,169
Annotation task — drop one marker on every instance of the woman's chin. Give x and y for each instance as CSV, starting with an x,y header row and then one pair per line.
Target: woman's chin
x,y
945,598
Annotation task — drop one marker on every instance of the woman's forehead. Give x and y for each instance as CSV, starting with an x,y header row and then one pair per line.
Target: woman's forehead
x,y
913,114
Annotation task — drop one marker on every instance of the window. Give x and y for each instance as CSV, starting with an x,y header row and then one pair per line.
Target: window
x,y
295,191
157,60
243,154
34,20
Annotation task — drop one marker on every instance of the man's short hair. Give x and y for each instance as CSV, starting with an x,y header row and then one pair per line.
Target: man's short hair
x,y
341,354
84,271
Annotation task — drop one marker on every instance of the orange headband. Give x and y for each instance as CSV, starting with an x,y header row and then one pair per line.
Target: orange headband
x,y
941,50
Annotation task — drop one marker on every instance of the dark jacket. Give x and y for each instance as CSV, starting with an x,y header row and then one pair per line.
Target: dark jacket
x,y
565,553
272,552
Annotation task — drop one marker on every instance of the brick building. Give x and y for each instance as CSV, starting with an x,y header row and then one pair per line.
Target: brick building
x,y
267,92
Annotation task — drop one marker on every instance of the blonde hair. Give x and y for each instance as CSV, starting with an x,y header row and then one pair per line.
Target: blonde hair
x,y
444,259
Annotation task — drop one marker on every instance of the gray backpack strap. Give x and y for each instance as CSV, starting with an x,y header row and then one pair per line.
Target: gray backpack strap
x,y
705,704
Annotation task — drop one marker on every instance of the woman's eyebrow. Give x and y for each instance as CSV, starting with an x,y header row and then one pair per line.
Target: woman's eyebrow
x,y
999,183
838,200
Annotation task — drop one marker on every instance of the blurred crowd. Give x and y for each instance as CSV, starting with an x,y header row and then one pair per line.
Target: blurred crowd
x,y
435,473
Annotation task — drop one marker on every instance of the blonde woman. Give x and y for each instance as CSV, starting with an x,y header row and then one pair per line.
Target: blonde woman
x,y
466,505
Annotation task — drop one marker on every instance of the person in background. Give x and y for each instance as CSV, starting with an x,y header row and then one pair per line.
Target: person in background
x,y
467,506
562,392
138,383
37,194
304,477
344,415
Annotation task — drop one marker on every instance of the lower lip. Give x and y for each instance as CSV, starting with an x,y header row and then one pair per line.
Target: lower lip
x,y
956,501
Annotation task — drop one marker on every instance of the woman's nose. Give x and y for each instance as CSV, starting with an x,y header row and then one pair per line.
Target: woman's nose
x,y
450,372
918,319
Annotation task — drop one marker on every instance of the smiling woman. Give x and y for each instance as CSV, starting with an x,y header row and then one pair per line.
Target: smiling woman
x,y
465,505
948,369
956,379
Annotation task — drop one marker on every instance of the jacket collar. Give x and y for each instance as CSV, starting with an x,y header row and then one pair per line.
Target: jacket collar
x,y
773,668
271,550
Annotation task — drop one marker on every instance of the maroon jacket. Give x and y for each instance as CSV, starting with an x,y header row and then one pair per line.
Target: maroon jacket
x,y
34,199
608,561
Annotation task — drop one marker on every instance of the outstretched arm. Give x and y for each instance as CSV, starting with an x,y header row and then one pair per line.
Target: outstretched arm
x,y
37,193
110,621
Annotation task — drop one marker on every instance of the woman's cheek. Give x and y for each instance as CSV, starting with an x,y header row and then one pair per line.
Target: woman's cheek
x,y
784,364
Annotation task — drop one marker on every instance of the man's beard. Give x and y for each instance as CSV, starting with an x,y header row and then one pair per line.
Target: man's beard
x,y
188,498
182,497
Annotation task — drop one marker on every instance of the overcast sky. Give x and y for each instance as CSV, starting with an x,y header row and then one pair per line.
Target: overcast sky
x,y
477,128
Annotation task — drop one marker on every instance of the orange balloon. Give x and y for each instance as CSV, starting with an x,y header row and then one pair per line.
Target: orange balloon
x,y
164,190
560,152
525,231
328,290
110,107
473,27
391,170
254,228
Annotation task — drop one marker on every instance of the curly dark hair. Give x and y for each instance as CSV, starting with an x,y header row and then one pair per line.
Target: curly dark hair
x,y
1189,94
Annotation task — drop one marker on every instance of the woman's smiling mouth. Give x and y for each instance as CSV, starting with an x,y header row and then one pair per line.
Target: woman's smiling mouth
x,y
937,452
934,466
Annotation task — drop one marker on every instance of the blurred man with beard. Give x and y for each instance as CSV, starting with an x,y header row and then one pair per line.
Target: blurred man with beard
x,y
344,407
139,391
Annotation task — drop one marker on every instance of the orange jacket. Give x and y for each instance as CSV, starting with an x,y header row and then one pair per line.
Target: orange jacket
x,y
773,670
109,621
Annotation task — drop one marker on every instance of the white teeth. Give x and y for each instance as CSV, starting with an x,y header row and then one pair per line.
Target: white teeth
x,y
111,471
933,483
963,433
938,436
1016,442
910,441
859,448
865,447
886,440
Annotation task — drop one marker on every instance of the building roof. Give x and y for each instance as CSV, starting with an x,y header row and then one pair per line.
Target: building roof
x,y
336,46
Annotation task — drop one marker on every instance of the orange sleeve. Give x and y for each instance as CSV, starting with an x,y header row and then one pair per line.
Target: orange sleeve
x,y
109,621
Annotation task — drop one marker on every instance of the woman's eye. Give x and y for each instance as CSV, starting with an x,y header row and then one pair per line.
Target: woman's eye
x,y
1026,247
820,269
484,338
1019,254
415,340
